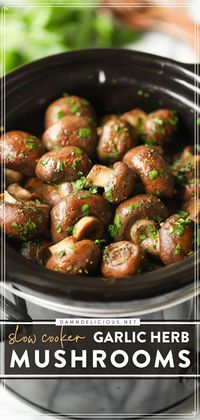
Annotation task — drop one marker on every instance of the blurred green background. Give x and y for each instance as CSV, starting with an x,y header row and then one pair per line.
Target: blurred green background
x,y
35,32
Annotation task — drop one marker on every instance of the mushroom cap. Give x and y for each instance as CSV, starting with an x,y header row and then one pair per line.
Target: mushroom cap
x,y
192,207
153,171
116,138
143,206
19,151
24,220
37,251
121,184
63,165
176,239
68,106
121,259
72,131
70,210
134,117
145,234
80,258
185,171
12,176
159,127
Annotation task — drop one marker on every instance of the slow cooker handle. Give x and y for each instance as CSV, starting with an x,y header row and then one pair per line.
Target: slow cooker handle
x,y
13,312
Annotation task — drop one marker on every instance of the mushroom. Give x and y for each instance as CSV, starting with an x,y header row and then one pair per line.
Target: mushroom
x,y
51,194
19,151
143,206
185,171
121,259
68,106
116,138
176,238
66,214
63,165
37,251
192,207
118,182
135,118
21,193
159,127
12,176
88,227
74,258
152,170
145,234
72,131
23,220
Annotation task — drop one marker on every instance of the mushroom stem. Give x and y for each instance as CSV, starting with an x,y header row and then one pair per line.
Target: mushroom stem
x,y
88,227
8,198
99,175
19,192
66,245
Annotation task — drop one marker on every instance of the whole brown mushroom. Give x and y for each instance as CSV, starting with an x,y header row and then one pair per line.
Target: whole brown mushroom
x,y
20,151
159,127
63,165
72,131
118,182
68,106
135,118
74,258
23,220
116,138
121,259
37,251
153,171
69,211
143,206
176,238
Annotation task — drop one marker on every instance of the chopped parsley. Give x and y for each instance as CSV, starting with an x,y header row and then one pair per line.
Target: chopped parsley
x,y
142,237
84,132
153,174
114,229
75,108
75,163
132,207
59,167
60,114
30,142
78,151
100,242
58,228
178,249
79,184
108,193
44,162
61,254
85,209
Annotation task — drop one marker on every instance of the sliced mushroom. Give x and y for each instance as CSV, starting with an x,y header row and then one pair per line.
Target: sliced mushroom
x,y
116,138
19,151
118,183
176,238
63,165
143,206
37,251
69,211
75,257
159,127
23,220
72,131
152,170
68,106
121,259
12,177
